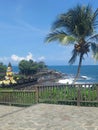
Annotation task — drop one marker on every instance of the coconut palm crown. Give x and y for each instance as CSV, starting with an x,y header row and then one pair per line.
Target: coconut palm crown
x,y
77,27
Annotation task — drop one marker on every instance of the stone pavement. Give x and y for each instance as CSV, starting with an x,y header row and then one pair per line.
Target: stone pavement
x,y
48,117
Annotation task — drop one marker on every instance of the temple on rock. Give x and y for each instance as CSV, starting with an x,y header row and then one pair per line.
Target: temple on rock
x,y
9,76
9,73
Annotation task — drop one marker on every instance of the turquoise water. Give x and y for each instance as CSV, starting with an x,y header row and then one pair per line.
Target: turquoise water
x,y
90,72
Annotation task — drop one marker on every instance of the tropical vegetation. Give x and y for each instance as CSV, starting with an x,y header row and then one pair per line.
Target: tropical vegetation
x,y
27,69
30,67
78,26
2,70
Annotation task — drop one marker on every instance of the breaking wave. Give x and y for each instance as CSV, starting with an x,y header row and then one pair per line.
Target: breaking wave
x,y
69,80
86,78
65,81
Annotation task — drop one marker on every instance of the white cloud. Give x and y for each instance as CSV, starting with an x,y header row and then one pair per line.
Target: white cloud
x,y
15,59
29,57
42,58
18,58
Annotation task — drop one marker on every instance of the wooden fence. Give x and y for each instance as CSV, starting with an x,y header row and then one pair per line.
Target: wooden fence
x,y
18,97
78,94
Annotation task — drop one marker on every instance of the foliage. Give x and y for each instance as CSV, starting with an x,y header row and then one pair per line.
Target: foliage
x,y
2,70
78,27
18,77
68,95
30,67
41,65
63,94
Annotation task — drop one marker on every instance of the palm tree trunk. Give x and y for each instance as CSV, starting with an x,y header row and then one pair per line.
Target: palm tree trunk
x,y
79,67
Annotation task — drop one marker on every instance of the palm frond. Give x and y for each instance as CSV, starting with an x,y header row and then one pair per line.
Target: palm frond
x,y
74,56
62,20
96,57
77,21
94,48
94,18
60,36
94,37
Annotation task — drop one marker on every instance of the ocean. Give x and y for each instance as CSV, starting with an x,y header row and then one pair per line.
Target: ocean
x,y
88,74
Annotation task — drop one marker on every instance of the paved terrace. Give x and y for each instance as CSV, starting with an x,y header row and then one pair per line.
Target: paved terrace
x,y
48,117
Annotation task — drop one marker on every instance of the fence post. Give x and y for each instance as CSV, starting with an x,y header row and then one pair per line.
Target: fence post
x,y
97,91
37,94
78,96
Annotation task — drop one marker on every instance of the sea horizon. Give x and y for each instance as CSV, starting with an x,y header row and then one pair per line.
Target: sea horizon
x,y
88,73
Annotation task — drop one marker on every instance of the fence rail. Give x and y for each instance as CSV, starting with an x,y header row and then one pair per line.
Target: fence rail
x,y
78,94
17,97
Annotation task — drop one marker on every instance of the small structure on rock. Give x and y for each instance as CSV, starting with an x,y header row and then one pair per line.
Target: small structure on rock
x,y
9,76
9,73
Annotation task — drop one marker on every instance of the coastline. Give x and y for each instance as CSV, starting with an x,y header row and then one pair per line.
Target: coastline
x,y
88,74
65,74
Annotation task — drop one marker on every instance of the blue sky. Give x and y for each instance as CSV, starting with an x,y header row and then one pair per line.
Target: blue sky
x,y
24,25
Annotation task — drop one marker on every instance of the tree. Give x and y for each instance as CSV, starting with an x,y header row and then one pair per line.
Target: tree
x,y
77,27
30,67
41,65
2,70
25,67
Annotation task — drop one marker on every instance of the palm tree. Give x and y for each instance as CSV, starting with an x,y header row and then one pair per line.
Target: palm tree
x,y
77,27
